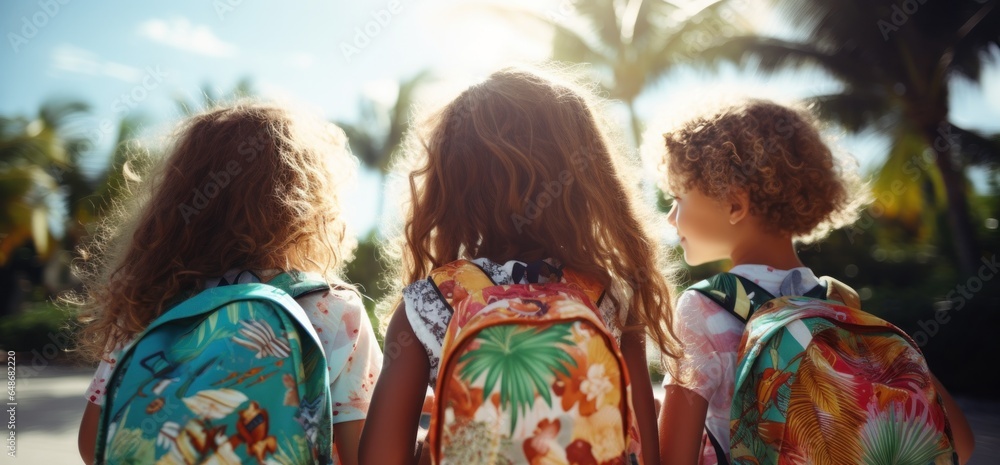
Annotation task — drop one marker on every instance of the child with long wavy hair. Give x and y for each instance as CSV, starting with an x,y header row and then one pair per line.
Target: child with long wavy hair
x,y
749,180
245,192
482,188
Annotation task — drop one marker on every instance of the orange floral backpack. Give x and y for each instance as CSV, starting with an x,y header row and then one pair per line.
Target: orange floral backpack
x,y
529,374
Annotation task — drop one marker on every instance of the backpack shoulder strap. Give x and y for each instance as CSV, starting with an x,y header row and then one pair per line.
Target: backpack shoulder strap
x,y
737,295
720,454
590,287
298,283
836,290
742,297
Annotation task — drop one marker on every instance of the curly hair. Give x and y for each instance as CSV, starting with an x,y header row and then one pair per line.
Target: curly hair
x,y
521,166
775,154
249,186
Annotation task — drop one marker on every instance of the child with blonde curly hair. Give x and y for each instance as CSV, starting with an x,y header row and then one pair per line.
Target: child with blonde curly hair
x,y
247,193
748,181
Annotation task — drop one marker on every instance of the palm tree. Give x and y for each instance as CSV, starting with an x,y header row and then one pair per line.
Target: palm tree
x,y
632,44
375,137
40,182
40,176
211,97
377,134
896,61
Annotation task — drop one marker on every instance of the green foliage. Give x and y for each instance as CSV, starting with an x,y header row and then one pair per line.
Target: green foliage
x,y
366,272
40,176
36,326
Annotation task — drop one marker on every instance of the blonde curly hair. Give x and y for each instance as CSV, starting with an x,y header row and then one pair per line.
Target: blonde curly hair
x,y
775,154
248,185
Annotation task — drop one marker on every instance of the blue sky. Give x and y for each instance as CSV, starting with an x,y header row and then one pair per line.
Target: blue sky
x,y
99,51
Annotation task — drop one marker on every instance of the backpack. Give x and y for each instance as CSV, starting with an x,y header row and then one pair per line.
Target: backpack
x,y
235,374
819,381
529,372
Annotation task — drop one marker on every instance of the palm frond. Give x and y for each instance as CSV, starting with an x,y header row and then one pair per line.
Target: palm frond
x,y
523,361
59,113
857,109
604,18
889,437
685,41
977,149
772,55
822,416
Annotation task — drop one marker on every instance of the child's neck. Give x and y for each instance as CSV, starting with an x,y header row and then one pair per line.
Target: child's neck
x,y
774,251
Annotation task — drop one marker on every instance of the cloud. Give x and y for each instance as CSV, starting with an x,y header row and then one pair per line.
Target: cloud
x,y
73,59
183,34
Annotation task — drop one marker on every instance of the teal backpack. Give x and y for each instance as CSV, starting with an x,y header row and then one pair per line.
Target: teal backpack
x,y
235,374
820,382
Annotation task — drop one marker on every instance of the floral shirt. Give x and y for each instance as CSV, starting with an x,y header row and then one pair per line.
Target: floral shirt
x,y
711,338
429,315
353,357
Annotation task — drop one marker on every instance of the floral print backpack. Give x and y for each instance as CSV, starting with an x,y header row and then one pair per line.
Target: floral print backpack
x,y
821,382
235,374
529,374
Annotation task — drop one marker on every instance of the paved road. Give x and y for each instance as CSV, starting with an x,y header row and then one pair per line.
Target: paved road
x,y
50,405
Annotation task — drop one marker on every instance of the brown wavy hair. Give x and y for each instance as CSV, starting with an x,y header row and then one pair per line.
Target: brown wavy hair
x,y
520,166
796,184
249,185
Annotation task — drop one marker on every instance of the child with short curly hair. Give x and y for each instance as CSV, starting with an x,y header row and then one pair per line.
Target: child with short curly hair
x,y
748,181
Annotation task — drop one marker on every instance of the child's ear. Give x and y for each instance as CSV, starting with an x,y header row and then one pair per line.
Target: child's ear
x,y
739,207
